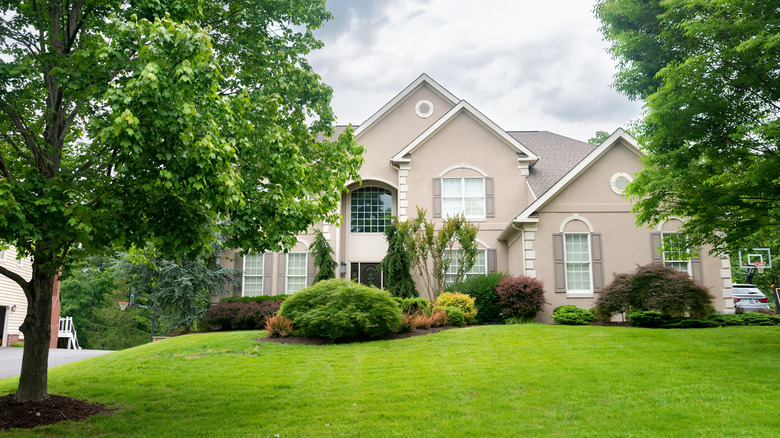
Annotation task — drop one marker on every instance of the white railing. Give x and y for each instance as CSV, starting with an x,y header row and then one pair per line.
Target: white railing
x,y
67,330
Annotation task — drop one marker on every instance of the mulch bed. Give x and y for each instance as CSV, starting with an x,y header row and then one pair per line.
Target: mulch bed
x,y
56,408
302,340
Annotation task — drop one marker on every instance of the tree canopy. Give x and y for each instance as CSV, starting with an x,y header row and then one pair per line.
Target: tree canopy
x,y
709,74
159,122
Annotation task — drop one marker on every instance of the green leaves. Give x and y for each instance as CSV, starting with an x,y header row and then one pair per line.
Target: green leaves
x,y
708,72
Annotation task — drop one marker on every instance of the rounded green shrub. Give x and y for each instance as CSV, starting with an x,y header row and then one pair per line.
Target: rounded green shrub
x,y
413,305
461,301
340,309
572,315
455,316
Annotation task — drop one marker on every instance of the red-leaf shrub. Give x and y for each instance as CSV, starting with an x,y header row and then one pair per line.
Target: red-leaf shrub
x,y
278,326
240,315
658,288
521,297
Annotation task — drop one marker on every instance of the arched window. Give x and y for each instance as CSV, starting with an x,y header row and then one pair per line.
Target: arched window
x,y
370,210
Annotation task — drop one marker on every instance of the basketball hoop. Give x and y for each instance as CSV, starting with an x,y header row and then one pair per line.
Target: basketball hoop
x,y
123,305
760,266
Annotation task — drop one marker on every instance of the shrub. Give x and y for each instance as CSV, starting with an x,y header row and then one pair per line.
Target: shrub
x,y
422,320
521,297
239,315
407,323
656,287
600,314
455,316
572,315
257,299
438,317
644,318
339,309
413,305
462,301
278,326
483,289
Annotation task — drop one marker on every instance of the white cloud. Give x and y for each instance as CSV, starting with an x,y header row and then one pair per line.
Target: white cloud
x,y
527,65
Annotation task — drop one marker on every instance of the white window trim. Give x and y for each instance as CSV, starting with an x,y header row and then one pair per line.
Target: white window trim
x,y
287,271
262,279
466,274
663,253
578,293
2,255
463,199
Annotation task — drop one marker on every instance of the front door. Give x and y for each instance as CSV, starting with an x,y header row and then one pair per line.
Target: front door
x,y
367,273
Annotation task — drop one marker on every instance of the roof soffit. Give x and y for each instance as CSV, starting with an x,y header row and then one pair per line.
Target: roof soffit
x,y
524,155
423,79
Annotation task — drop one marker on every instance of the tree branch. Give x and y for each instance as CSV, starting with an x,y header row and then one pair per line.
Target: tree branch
x,y
15,277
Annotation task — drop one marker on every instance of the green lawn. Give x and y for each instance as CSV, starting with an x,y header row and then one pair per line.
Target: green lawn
x,y
519,380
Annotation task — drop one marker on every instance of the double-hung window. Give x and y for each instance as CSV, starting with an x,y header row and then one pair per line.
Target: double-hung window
x,y
296,271
578,263
676,253
463,196
479,268
253,275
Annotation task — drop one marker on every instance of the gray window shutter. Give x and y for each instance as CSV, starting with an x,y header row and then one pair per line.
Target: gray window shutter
x,y
491,260
560,264
268,272
655,248
696,271
437,197
311,271
238,264
281,284
597,261
490,206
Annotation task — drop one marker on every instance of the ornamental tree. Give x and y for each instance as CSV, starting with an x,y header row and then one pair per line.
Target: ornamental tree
x,y
709,74
323,258
163,123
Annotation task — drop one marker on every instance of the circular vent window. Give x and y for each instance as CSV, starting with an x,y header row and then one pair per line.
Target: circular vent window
x,y
424,108
619,182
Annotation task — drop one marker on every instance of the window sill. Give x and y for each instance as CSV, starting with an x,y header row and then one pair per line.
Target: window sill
x,y
579,295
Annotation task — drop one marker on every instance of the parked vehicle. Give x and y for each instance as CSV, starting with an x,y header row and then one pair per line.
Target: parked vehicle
x,y
748,298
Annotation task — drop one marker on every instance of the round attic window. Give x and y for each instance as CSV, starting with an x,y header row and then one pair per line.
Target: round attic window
x,y
424,108
619,182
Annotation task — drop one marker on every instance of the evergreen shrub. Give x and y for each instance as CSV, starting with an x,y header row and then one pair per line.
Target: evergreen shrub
x,y
412,305
464,302
455,316
521,298
340,309
483,289
239,315
572,315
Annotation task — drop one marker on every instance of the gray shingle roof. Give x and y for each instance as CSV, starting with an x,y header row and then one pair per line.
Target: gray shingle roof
x,y
557,156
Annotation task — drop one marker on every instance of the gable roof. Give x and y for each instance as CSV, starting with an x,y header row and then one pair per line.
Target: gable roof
x,y
523,153
560,154
423,79
528,214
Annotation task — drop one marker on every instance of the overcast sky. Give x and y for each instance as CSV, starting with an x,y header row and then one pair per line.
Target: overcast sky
x,y
529,65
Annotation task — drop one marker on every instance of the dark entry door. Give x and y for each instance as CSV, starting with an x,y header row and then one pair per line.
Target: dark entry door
x,y
367,273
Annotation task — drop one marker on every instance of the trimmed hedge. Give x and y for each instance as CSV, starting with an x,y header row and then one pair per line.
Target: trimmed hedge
x,y
650,319
572,315
240,315
339,309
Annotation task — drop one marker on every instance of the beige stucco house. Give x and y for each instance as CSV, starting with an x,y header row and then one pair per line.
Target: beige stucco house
x,y
548,206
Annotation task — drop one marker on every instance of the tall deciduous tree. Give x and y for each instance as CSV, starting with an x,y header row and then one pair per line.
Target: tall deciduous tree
x,y
709,73
159,122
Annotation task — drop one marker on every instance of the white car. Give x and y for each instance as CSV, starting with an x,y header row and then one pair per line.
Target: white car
x,y
748,298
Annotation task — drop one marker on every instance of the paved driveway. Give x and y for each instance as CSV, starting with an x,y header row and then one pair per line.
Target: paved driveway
x,y
11,358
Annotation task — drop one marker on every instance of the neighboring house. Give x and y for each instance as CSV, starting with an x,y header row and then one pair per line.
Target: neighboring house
x,y
548,206
13,303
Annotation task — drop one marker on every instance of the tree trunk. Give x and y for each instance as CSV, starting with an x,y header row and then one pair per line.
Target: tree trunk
x,y
37,336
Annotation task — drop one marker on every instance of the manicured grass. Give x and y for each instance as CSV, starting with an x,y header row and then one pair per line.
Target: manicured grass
x,y
519,380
